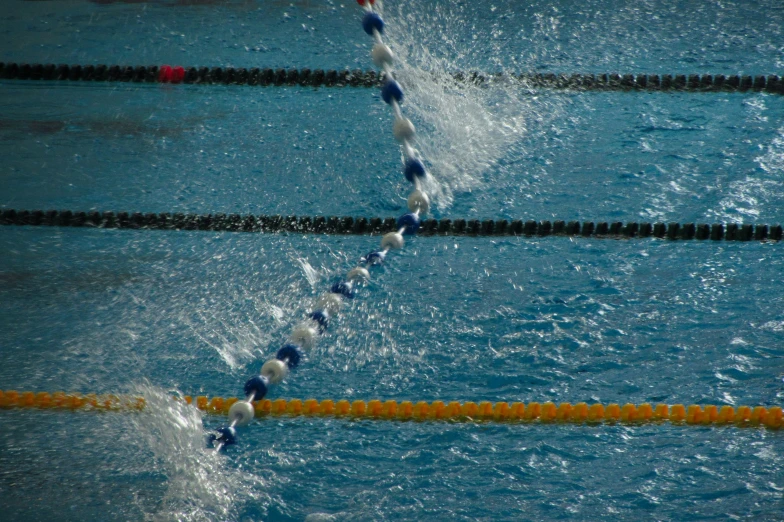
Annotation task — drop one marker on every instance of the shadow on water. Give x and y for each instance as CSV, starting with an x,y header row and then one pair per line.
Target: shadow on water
x,y
22,129
305,4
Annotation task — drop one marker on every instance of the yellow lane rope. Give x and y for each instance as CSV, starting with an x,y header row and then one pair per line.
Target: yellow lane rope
x,y
546,412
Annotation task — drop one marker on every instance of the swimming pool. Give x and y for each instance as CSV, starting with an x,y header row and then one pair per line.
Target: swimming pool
x,y
450,318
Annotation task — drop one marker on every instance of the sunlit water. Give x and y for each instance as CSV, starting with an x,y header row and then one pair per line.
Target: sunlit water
x,y
530,319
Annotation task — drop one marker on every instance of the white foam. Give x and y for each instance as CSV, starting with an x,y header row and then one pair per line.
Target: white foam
x,y
463,128
200,484
772,161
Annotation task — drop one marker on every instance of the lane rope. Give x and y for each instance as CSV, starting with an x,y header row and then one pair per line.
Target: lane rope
x,y
304,77
304,336
333,225
544,413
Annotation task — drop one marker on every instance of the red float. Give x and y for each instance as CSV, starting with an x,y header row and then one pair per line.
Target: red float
x,y
165,74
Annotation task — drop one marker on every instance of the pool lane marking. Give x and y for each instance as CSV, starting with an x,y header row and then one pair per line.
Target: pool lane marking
x,y
514,412
267,77
333,225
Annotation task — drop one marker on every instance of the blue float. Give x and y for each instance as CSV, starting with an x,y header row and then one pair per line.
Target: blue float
x,y
372,21
410,222
392,91
256,386
343,288
322,318
374,258
290,354
227,437
414,168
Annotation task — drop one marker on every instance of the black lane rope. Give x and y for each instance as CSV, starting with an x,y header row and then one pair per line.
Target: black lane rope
x,y
376,225
360,78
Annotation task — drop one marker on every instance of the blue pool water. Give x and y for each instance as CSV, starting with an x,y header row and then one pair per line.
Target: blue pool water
x,y
502,319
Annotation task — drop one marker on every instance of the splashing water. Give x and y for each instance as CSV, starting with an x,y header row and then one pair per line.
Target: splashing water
x,y
311,274
772,161
240,321
199,484
463,128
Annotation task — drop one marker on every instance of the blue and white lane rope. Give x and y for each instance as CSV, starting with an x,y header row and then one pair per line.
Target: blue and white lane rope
x,y
392,94
305,335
